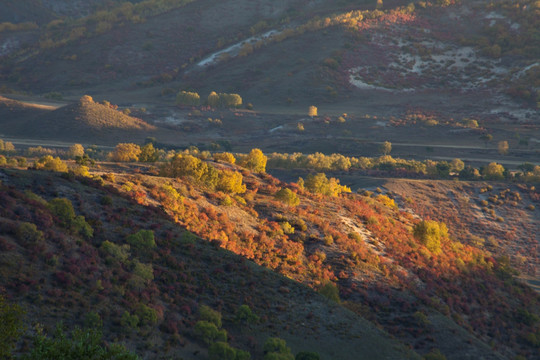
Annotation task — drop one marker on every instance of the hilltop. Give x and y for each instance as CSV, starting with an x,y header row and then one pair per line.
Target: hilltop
x,y
83,120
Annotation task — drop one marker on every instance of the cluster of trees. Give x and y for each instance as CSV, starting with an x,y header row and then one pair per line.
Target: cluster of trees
x,y
6,146
85,343
127,152
443,169
187,165
320,184
214,100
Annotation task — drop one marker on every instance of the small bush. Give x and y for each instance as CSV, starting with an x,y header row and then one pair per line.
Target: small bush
x,y
288,197
129,321
142,240
28,233
330,291
245,315
147,315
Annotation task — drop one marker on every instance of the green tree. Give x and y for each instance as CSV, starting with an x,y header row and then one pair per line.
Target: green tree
x,y
208,314
245,315
148,153
28,233
221,351
11,327
209,332
287,196
63,210
147,315
142,240
277,349
118,252
330,291
443,169
129,321
255,161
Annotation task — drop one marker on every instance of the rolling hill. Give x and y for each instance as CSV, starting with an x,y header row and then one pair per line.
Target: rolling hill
x,y
64,274
81,121
427,295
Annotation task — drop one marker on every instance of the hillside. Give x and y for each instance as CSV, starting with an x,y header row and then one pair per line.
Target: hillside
x,y
63,274
83,120
363,244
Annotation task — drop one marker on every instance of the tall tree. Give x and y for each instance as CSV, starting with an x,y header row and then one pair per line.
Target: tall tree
x,y
386,147
503,147
255,161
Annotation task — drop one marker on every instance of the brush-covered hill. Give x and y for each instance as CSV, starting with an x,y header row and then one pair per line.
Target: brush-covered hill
x,y
13,112
405,274
84,120
441,55
77,252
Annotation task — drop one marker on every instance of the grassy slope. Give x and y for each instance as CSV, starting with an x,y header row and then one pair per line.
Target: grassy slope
x,y
186,276
372,271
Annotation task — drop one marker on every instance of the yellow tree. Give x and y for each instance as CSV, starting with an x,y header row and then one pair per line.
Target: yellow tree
x,y
231,182
255,161
75,150
503,147
125,152
386,147
312,111
188,98
493,171
213,99
225,157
